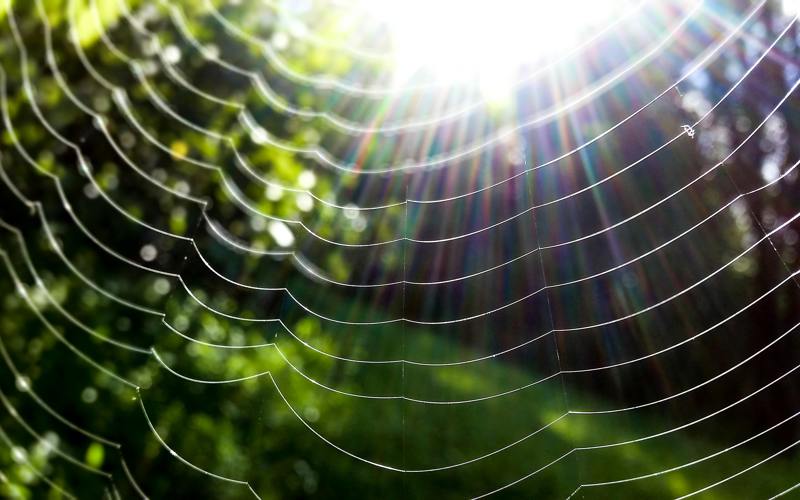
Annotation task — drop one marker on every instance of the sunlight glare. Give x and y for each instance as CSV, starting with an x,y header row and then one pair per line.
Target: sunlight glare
x,y
456,41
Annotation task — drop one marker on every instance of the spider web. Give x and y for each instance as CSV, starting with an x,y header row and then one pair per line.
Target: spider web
x,y
240,259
